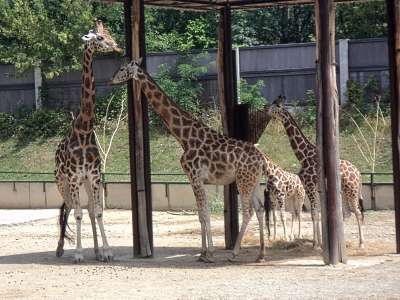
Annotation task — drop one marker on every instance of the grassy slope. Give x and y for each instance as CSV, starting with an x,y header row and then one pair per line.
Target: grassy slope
x,y
38,156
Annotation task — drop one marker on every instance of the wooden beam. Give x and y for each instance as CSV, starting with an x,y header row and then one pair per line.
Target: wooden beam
x,y
331,208
138,135
227,106
393,12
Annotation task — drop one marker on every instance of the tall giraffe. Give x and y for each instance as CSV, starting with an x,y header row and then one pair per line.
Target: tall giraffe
x,y
209,157
77,157
306,153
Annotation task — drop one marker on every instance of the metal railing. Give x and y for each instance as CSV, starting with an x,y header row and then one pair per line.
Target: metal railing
x,y
117,177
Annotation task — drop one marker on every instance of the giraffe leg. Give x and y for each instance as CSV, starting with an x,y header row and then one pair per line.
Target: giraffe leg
x,y
299,219
207,248
92,218
106,253
291,227
274,219
315,219
247,212
65,210
283,220
74,189
258,206
353,206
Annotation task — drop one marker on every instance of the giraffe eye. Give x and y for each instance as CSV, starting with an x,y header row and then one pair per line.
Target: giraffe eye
x,y
100,38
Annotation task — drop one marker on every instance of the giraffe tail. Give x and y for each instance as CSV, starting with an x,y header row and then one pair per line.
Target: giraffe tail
x,y
267,207
63,222
361,202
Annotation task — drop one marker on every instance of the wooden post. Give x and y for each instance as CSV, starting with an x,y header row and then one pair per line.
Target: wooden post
x,y
393,11
331,208
227,101
138,135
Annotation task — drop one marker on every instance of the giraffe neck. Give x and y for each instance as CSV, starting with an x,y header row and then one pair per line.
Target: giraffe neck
x,y
181,124
300,144
85,120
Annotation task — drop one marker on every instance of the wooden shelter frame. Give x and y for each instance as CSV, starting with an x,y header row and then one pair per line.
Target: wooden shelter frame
x,y
327,128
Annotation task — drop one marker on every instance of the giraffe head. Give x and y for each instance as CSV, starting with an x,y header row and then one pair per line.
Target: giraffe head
x,y
276,109
128,70
100,39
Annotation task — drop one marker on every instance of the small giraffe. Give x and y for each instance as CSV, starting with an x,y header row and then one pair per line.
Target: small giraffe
x,y
306,153
291,193
77,156
209,157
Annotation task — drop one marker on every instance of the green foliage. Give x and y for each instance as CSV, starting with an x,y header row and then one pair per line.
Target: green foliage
x,y
181,84
172,30
43,33
7,124
26,125
308,115
119,95
358,20
251,94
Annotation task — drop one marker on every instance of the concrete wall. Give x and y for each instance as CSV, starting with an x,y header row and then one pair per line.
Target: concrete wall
x,y
172,196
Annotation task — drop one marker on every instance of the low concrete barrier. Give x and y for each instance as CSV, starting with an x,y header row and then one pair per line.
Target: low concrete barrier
x,y
166,196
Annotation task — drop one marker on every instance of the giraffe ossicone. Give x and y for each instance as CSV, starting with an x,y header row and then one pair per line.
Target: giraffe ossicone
x,y
77,157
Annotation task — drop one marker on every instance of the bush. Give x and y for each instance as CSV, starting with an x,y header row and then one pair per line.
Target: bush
x,y
42,123
308,116
251,94
7,125
181,84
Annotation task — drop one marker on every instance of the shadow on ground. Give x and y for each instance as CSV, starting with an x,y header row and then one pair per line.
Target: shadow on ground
x,y
179,257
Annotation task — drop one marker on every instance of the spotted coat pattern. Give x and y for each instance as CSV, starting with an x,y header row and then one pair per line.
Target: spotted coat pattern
x,y
77,157
306,153
286,190
209,157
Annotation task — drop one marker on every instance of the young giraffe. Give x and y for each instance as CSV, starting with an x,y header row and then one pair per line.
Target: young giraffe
x,y
293,195
209,157
77,156
306,153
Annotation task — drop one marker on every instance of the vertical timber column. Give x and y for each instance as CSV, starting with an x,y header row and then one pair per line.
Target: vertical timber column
x,y
138,135
393,10
331,207
227,102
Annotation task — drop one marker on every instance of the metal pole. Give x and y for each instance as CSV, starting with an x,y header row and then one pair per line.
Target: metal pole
x,y
237,62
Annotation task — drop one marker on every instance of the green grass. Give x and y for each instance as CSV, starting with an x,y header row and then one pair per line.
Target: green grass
x,y
38,156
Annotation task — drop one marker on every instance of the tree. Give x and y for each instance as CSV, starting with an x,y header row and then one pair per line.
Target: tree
x,y
43,33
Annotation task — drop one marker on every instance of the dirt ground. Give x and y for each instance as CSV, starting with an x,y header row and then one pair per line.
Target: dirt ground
x,y
30,269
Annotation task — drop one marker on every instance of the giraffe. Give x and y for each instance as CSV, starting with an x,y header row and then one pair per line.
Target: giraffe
x,y
293,196
77,157
209,157
306,153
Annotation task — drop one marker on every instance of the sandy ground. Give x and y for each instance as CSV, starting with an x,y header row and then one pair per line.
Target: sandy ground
x,y
29,268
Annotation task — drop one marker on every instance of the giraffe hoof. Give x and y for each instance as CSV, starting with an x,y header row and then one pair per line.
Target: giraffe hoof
x,y
260,259
106,255
59,251
78,258
362,246
232,258
206,258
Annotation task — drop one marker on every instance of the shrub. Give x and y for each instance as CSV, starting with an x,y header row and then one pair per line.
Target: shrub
x,y
7,125
251,94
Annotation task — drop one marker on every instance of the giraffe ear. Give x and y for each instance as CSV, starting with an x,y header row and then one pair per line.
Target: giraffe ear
x,y
139,61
